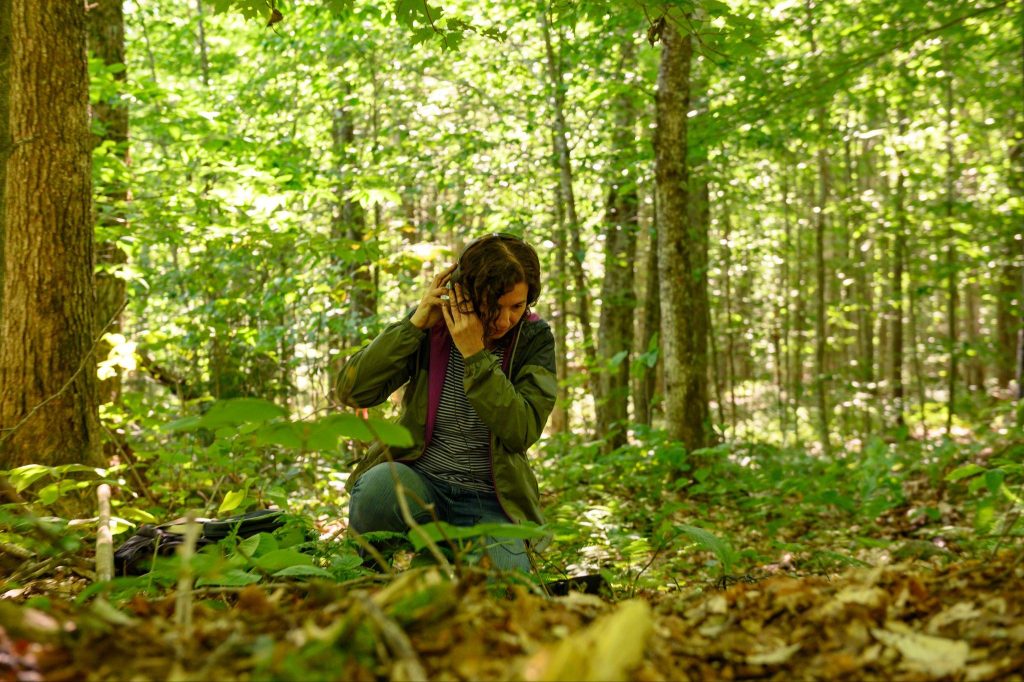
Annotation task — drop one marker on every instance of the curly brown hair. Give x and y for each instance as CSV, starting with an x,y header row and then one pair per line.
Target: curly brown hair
x,y
490,267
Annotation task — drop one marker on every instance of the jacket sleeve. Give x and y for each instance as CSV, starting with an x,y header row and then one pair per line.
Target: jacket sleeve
x,y
517,410
377,370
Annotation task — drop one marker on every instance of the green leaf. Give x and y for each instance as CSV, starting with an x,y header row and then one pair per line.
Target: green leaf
x,y
324,433
994,480
235,577
390,433
24,476
286,435
240,411
346,562
282,558
297,571
709,541
843,502
136,514
190,423
248,546
50,493
231,501
966,471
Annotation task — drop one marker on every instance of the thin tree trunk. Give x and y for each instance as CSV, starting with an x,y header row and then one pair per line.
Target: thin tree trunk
x,y
204,60
783,354
899,259
820,297
972,321
1017,183
349,225
683,258
915,355
563,161
559,421
799,330
951,260
730,336
105,22
644,395
48,396
618,297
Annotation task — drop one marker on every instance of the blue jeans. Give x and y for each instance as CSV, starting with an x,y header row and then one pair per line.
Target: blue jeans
x,y
374,506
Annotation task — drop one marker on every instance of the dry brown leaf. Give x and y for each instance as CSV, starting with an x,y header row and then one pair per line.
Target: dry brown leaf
x,y
605,650
935,656
960,611
775,657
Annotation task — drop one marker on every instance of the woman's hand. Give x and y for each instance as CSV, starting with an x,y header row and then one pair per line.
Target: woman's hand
x,y
428,312
463,324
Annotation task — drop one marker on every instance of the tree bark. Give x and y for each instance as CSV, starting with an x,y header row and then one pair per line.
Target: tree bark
x,y
563,161
820,296
952,297
559,422
105,21
683,257
348,225
618,298
646,385
899,259
48,397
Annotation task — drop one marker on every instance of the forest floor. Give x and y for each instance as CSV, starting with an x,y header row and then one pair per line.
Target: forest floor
x,y
963,621
818,592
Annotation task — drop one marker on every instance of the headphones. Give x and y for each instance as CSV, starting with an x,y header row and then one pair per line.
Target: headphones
x,y
456,276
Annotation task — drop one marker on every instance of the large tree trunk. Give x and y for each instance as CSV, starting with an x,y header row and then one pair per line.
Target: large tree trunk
x,y
683,257
618,298
48,398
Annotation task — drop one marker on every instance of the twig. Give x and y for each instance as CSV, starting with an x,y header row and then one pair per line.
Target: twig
x,y
81,366
104,539
183,600
396,640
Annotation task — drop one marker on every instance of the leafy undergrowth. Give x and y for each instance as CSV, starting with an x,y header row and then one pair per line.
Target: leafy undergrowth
x,y
907,621
897,560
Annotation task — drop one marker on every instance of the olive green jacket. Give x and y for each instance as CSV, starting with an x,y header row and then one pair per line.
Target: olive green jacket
x,y
513,398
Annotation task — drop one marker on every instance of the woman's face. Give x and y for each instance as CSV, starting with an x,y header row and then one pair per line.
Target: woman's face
x,y
511,306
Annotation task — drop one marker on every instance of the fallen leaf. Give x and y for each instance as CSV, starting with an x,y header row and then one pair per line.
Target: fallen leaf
x,y
936,656
775,657
605,650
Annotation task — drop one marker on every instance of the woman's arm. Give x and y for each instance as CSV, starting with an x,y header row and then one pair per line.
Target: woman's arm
x,y
377,370
515,411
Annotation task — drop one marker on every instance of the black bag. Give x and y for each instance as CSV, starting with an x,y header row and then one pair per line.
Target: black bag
x,y
135,556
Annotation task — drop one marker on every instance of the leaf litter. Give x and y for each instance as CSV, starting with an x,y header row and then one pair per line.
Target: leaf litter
x,y
910,621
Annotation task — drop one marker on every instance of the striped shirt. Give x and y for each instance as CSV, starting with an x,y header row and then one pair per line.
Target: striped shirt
x,y
459,449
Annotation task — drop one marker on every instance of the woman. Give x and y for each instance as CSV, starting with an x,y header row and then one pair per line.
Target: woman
x,y
479,370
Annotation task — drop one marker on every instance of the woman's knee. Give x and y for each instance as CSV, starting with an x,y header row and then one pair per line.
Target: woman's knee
x,y
374,504
508,554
